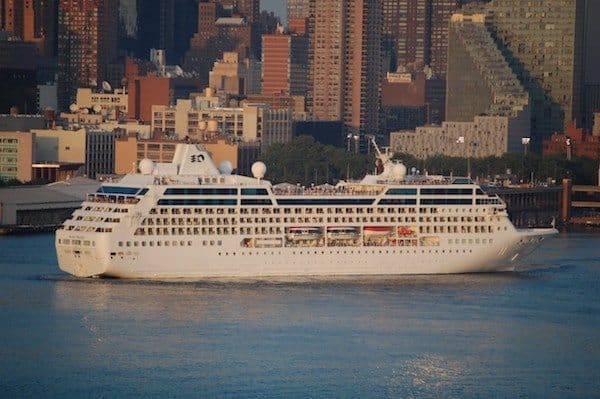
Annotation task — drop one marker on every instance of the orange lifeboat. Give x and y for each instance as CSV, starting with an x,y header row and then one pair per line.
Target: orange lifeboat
x,y
404,231
377,230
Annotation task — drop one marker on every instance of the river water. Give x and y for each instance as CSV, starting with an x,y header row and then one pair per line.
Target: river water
x,y
534,334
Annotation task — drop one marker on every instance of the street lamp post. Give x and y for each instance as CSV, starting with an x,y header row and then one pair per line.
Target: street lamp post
x,y
470,152
525,141
352,137
461,140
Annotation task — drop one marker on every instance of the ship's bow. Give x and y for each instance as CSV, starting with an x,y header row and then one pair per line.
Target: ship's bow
x,y
528,241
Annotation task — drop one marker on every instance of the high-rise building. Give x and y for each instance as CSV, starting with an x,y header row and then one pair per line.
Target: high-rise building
x,y
441,11
591,102
406,32
298,9
236,77
345,62
221,28
403,105
87,44
10,10
18,75
250,9
32,21
166,25
479,80
543,42
297,25
415,32
326,59
285,67
487,108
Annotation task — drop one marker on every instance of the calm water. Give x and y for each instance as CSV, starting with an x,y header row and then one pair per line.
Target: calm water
x,y
534,334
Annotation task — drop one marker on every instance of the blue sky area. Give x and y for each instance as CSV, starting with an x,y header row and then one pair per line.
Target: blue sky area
x,y
278,6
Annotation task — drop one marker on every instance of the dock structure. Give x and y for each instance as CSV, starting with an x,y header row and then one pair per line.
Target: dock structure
x,y
25,209
532,206
585,206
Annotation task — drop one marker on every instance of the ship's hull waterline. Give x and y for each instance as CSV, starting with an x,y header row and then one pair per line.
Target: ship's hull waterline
x,y
194,263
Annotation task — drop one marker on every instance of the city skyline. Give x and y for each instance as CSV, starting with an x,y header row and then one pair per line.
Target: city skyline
x,y
417,71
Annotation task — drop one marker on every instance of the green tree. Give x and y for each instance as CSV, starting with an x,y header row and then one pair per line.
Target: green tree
x,y
306,161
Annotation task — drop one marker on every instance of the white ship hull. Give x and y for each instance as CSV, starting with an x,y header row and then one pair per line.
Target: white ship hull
x,y
193,262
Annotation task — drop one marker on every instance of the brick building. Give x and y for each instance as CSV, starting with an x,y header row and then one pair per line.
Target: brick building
x,y
345,62
284,64
87,44
574,142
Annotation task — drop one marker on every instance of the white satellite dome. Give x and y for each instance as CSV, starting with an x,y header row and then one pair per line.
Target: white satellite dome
x,y
146,166
225,168
259,169
399,171
97,108
106,86
73,108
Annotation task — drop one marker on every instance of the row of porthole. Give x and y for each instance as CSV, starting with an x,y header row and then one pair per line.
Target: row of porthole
x,y
373,252
470,241
167,243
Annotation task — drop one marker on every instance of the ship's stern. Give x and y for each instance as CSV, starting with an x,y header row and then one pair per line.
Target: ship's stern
x,y
81,254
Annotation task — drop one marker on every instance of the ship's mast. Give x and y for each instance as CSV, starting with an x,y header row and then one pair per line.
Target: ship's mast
x,y
385,158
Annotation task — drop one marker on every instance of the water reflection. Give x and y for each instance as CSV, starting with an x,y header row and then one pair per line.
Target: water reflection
x,y
522,334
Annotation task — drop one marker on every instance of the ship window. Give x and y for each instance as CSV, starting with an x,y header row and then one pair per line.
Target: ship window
x,y
201,191
118,190
254,191
401,191
398,201
326,201
446,201
184,202
254,201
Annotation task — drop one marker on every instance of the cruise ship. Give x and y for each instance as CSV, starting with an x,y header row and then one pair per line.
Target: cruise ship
x,y
192,219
